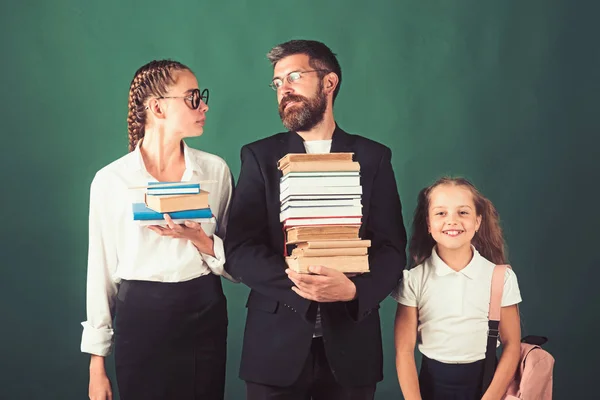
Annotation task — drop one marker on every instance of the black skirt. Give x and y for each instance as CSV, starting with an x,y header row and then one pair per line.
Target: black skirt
x,y
171,340
441,381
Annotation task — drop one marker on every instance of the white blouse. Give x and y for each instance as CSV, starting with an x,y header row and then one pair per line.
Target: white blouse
x,y
121,249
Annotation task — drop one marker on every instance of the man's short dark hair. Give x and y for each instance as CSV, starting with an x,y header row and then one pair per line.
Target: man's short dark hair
x,y
320,57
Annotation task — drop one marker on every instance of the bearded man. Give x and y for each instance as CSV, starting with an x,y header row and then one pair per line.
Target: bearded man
x,y
311,336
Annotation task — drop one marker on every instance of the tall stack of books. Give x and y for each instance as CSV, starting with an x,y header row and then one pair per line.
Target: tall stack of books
x,y
180,200
321,212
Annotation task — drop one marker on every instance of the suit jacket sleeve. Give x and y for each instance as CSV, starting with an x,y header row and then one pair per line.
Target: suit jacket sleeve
x,y
387,255
250,257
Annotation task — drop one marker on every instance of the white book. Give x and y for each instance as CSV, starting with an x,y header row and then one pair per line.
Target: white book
x,y
313,212
329,197
319,174
324,190
318,182
295,202
322,221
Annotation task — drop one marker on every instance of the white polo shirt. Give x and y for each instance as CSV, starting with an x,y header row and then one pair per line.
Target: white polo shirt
x,y
453,306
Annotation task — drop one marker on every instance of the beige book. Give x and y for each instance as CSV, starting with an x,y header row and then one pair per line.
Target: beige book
x,y
340,251
332,244
172,203
344,264
320,166
332,232
294,238
304,157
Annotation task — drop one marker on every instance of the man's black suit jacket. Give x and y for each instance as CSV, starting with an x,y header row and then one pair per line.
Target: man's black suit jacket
x,y
280,323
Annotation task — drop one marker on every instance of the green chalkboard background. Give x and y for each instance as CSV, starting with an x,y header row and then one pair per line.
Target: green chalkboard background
x,y
503,92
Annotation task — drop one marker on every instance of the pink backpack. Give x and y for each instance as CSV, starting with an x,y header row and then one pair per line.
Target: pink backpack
x,y
533,379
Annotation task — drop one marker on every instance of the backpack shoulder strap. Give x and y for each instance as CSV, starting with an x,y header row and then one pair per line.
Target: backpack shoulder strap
x,y
493,324
496,292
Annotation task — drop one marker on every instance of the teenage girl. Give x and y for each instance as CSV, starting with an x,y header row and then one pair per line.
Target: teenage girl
x,y
160,284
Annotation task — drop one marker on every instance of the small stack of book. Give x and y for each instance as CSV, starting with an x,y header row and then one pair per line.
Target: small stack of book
x,y
321,211
180,200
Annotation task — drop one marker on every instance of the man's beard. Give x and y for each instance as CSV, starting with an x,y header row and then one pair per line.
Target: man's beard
x,y
304,115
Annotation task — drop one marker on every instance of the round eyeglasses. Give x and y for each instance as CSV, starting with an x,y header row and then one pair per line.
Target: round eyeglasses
x,y
292,77
193,99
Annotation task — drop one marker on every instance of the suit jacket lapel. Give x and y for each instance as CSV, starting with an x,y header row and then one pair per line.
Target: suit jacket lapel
x,y
341,142
295,143
289,142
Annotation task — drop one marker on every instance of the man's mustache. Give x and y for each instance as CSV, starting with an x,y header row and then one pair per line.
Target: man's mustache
x,y
289,98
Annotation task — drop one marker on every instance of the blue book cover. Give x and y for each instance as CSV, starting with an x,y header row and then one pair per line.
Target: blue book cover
x,y
174,185
143,213
170,188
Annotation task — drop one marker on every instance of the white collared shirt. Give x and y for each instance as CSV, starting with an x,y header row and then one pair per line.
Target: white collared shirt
x,y
453,306
121,249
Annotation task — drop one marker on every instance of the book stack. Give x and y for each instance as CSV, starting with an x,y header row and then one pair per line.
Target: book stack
x,y
321,212
180,200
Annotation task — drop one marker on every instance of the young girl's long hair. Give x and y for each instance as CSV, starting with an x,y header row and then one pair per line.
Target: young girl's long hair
x,y
488,240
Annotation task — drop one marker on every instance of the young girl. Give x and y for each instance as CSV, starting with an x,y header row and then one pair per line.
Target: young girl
x,y
159,283
444,299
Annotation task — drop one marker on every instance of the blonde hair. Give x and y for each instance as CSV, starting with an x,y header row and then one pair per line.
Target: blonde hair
x,y
152,79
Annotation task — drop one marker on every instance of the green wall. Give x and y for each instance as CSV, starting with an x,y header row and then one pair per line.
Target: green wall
x,y
503,92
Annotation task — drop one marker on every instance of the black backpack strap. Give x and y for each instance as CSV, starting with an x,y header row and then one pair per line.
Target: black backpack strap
x,y
489,367
493,325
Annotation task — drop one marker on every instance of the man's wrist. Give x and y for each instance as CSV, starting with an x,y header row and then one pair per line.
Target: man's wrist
x,y
352,291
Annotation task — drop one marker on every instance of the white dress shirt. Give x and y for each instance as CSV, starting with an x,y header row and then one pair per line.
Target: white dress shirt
x,y
453,306
318,147
121,249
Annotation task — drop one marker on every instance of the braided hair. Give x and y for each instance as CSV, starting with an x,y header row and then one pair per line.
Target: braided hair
x,y
152,79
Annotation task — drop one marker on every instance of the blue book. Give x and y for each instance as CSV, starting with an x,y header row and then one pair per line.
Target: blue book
x,y
143,213
166,188
174,184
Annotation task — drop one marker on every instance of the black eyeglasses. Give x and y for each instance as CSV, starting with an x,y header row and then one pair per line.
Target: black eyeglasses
x,y
292,77
193,99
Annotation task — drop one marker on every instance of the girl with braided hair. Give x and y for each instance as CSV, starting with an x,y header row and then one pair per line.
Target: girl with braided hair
x,y
160,285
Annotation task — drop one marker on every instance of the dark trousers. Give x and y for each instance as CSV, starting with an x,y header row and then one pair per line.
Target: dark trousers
x,y
441,381
316,382
170,340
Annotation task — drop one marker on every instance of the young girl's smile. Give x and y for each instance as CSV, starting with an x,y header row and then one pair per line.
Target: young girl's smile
x,y
452,217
